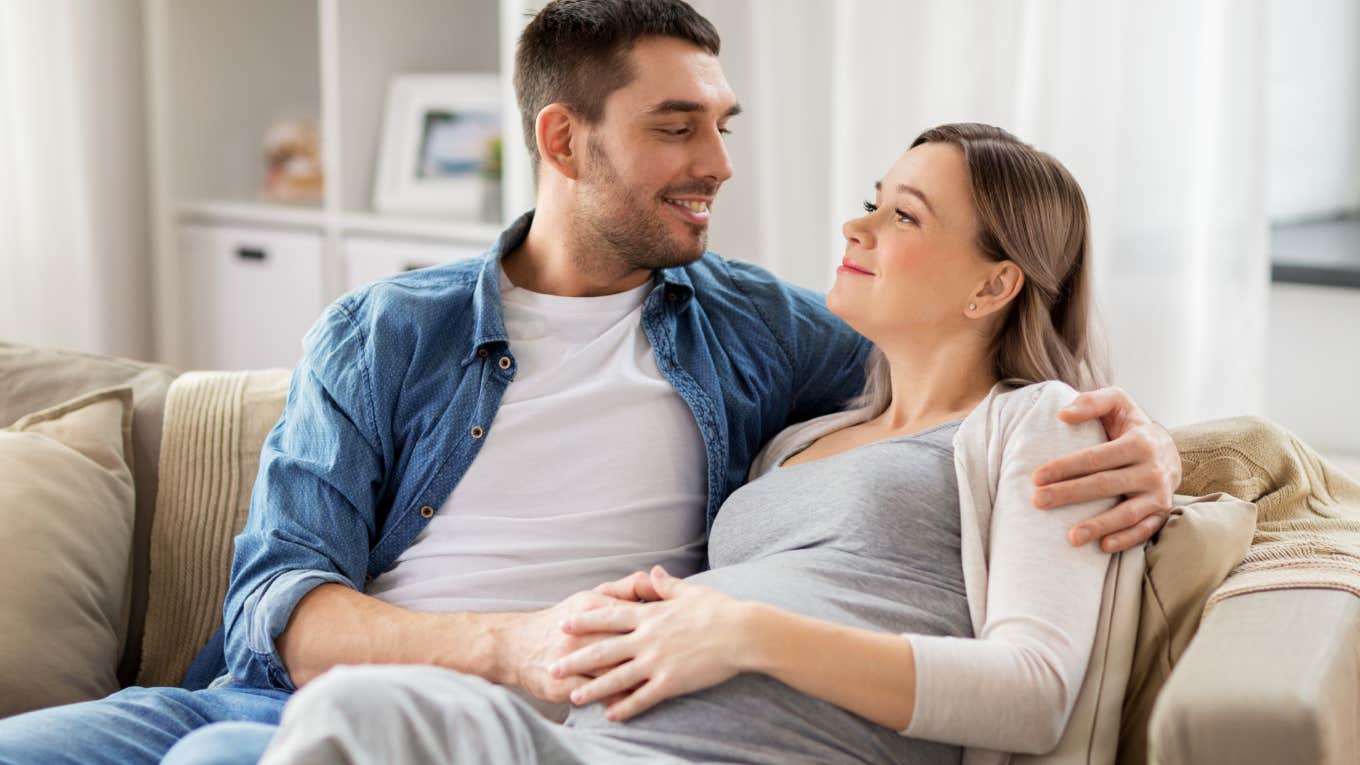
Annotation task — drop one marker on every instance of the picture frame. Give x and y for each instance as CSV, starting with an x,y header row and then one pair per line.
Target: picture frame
x,y
440,148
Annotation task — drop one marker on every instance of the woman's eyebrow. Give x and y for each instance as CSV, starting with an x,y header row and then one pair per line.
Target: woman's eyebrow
x,y
904,188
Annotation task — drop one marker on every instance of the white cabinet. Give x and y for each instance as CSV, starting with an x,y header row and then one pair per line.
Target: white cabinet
x,y
368,259
252,294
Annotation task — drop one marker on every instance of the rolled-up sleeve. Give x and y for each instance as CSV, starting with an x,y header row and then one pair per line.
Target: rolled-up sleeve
x,y
313,508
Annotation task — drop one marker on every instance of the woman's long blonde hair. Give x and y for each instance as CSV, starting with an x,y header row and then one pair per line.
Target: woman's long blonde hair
x,y
1031,212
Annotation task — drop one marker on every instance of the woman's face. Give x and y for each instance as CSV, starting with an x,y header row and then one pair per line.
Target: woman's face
x,y
911,262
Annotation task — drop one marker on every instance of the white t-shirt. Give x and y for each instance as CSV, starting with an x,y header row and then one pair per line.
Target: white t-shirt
x,y
593,468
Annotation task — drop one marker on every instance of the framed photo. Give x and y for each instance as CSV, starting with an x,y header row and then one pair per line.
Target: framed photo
x,y
441,147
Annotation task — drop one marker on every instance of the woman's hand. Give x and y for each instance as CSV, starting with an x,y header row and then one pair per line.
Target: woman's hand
x,y
692,638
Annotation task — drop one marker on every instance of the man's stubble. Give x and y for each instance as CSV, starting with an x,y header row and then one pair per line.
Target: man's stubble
x,y
614,228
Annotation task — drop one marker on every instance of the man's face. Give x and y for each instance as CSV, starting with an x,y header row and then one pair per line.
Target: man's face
x,y
657,157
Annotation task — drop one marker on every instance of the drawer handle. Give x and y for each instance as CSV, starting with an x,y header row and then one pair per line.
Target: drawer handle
x,y
250,253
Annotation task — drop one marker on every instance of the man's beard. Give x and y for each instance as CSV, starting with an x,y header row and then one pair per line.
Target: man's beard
x,y
613,227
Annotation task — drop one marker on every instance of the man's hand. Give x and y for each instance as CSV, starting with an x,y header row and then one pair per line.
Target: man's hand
x,y
1140,462
533,641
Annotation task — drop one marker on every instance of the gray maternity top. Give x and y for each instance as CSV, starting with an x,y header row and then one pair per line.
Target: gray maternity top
x,y
867,538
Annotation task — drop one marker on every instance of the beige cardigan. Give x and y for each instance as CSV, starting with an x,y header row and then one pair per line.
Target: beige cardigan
x,y
1034,599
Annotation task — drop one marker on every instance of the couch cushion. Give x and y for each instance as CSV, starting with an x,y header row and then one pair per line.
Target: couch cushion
x,y
66,520
37,378
215,428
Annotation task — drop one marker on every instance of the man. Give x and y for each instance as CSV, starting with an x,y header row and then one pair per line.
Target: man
x,y
465,447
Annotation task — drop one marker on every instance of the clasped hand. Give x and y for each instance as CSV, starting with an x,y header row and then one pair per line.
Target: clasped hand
x,y
689,637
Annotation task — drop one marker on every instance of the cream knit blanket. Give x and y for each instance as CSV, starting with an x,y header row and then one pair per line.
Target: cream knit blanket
x,y
1308,511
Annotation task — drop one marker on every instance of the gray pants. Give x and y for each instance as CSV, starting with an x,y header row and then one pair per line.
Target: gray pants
x,y
417,714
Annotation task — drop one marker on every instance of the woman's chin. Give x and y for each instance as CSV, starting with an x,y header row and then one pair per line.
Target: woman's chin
x,y
842,304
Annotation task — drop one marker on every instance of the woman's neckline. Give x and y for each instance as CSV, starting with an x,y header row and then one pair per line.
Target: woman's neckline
x,y
890,439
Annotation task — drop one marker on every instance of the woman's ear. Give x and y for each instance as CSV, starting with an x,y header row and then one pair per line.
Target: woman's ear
x,y
1004,281
556,132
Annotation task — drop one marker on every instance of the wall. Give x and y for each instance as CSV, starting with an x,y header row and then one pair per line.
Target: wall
x,y
1313,365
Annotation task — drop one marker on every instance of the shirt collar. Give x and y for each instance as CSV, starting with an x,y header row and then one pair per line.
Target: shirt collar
x,y
489,320
677,282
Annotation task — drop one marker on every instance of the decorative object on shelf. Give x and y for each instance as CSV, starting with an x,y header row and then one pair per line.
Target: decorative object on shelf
x,y
293,162
491,182
441,146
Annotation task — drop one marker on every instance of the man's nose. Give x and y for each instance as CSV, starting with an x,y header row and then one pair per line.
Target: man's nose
x,y
713,161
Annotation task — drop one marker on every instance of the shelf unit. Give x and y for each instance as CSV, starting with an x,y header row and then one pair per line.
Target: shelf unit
x,y
220,73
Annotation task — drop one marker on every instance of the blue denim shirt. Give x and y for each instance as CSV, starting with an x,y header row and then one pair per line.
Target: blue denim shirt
x,y
400,382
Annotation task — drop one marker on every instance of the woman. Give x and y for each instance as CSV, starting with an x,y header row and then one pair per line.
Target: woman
x,y
883,591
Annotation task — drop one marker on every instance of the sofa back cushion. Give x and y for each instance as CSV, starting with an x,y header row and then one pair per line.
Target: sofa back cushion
x,y
32,379
215,426
66,519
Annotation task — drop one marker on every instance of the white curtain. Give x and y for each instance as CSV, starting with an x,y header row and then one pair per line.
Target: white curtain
x,y
74,243
1156,107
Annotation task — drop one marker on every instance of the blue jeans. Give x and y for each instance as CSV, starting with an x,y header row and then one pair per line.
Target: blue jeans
x,y
140,725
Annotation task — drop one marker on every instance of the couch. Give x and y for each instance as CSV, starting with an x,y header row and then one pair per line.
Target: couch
x,y
1268,675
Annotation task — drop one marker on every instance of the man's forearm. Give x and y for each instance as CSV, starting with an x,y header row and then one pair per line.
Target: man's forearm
x,y
334,625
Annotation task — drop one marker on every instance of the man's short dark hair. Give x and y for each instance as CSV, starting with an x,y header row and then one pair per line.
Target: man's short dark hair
x,y
575,52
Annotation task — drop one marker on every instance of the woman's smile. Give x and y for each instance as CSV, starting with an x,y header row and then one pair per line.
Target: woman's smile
x,y
850,267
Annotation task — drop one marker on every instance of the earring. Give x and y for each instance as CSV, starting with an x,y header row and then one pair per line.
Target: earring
x,y
972,306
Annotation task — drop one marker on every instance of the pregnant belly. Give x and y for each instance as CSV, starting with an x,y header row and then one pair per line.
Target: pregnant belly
x,y
755,718
838,587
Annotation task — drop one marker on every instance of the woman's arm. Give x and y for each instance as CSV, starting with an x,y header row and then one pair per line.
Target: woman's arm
x,y
872,674
1012,688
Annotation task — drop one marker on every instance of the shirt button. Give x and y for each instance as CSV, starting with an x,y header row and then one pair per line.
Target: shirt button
x,y
477,431
505,362
427,512
671,296
483,352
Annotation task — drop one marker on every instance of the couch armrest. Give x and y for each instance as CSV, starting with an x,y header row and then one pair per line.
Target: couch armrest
x,y
1270,677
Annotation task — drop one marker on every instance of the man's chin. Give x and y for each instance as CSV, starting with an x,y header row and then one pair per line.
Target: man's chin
x,y
682,246
693,237
691,250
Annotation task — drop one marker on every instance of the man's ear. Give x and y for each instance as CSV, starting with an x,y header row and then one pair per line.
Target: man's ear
x,y
1003,283
559,140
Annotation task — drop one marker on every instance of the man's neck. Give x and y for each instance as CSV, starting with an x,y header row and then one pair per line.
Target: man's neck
x,y
552,261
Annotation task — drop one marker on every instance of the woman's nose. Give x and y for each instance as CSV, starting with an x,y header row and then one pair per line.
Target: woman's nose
x,y
856,231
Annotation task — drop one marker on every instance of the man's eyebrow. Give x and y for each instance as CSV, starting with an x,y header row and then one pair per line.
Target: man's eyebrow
x,y
673,105
902,187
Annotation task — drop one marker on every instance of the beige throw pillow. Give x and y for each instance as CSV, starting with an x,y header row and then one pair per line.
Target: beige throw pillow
x,y
1203,540
66,517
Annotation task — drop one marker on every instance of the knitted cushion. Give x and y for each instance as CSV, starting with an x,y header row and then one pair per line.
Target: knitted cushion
x,y
215,426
